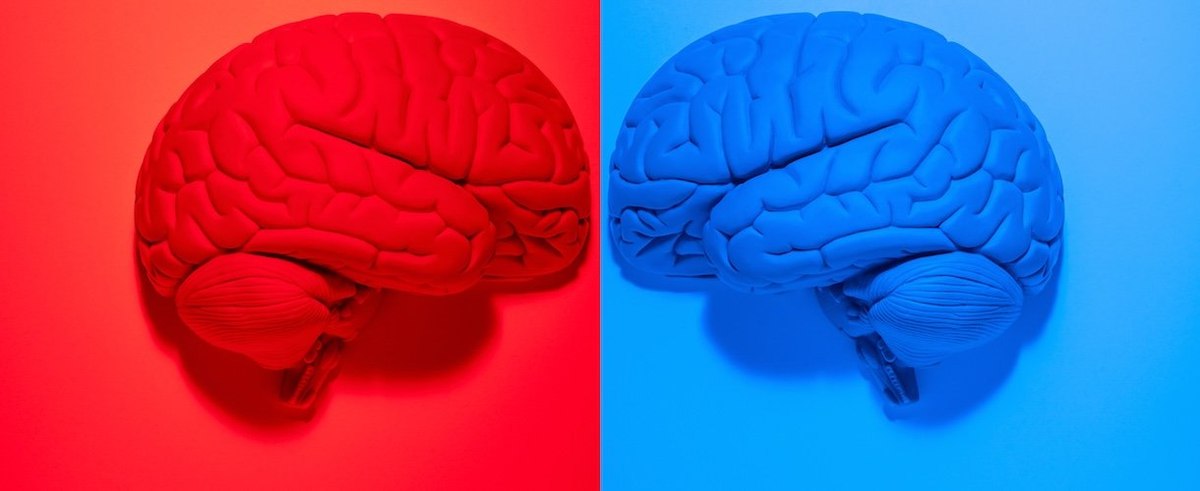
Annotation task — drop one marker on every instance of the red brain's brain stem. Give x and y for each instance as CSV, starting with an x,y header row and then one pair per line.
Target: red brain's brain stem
x,y
400,152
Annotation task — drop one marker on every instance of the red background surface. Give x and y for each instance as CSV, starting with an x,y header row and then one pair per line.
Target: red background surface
x,y
491,389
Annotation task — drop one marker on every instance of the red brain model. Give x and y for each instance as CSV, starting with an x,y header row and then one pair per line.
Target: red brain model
x,y
340,155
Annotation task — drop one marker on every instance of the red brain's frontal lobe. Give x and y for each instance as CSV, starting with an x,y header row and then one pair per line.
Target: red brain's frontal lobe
x,y
399,152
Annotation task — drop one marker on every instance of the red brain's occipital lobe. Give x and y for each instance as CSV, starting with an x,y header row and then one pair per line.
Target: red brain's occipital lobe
x,y
400,152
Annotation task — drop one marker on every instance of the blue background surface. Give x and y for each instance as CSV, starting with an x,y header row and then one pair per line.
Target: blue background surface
x,y
704,388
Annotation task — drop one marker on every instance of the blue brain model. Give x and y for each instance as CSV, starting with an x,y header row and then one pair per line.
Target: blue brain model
x,y
859,154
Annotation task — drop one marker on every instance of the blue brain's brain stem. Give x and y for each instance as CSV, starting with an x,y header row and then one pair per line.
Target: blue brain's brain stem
x,y
796,151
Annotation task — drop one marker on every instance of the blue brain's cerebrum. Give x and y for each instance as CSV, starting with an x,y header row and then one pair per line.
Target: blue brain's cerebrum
x,y
798,151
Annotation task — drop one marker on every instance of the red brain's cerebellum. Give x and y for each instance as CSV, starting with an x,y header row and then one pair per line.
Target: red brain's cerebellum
x,y
399,152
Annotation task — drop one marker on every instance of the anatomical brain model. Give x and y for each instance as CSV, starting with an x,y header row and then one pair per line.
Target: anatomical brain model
x,y
334,157
864,156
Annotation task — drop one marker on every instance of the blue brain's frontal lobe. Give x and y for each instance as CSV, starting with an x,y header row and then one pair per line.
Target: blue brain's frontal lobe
x,y
798,151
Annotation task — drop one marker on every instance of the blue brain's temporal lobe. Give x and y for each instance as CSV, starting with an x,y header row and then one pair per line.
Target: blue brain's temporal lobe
x,y
797,151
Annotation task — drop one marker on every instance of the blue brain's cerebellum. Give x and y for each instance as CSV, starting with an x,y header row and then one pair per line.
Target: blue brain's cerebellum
x,y
798,151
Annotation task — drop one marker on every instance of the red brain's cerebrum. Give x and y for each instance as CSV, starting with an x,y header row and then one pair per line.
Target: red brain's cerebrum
x,y
400,152
332,158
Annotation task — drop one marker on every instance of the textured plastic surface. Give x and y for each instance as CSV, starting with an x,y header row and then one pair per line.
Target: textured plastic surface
x,y
711,388
344,154
493,388
796,151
